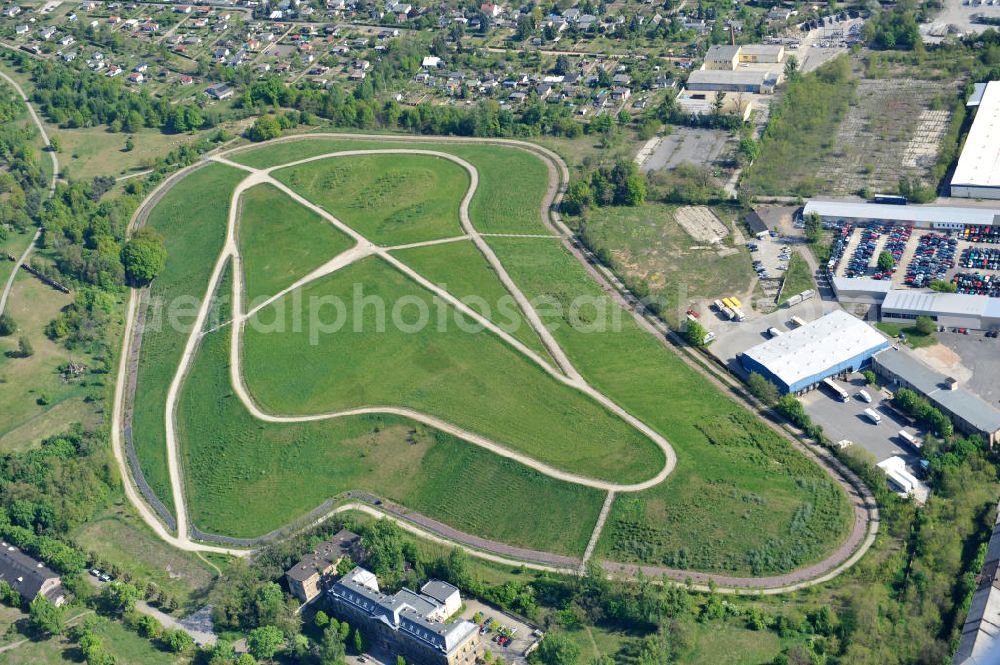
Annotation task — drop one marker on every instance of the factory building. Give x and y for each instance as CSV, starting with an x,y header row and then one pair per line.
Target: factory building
x,y
800,359
952,310
940,218
977,175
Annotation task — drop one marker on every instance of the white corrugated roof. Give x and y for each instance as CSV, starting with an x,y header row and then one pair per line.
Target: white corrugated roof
x,y
979,165
955,304
896,213
825,342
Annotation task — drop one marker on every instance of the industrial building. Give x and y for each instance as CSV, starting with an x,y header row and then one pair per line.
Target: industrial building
x,y
408,624
968,412
942,218
800,359
952,310
978,643
713,80
977,174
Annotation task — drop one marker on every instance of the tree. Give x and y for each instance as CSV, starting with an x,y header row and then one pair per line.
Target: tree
x,y
321,620
55,144
331,648
925,325
695,333
718,103
942,286
870,377
264,642
266,127
119,597
556,649
7,325
245,659
46,618
792,68
885,261
749,149
359,641
563,66
177,641
24,348
813,227
762,389
129,144
144,257
400,660
385,550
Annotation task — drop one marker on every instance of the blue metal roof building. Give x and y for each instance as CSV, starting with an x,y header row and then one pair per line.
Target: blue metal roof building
x,y
801,358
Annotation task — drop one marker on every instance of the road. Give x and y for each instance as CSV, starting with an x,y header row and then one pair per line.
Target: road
x,y
866,522
52,187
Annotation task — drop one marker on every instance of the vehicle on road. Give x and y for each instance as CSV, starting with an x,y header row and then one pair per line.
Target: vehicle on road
x,y
873,416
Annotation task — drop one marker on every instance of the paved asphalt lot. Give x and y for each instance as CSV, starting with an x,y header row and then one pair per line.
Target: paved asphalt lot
x,y
686,144
846,420
981,356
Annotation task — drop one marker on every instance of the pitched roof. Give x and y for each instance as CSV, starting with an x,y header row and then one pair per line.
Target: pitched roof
x,y
23,573
325,555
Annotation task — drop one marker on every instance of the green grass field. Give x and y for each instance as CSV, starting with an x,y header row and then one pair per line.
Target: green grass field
x,y
389,199
192,219
35,402
798,278
124,645
281,241
914,338
741,499
471,379
121,538
463,271
507,176
647,243
288,469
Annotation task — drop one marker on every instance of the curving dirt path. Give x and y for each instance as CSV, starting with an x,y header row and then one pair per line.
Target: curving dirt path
x,y
364,248
857,544
52,187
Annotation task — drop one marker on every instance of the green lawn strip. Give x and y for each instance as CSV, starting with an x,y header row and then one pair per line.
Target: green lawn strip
x,y
914,338
466,376
125,645
512,182
741,499
798,278
390,199
461,269
192,219
281,241
244,477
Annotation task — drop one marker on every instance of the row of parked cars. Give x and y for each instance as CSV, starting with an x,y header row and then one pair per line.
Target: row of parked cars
x,y
898,236
981,258
932,259
974,233
976,284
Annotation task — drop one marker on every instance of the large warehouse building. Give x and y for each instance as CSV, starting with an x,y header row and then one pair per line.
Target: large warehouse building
x,y
977,175
800,359
946,309
943,218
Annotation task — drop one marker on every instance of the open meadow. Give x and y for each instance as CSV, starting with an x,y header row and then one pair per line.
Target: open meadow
x,y
270,220
740,500
192,219
389,199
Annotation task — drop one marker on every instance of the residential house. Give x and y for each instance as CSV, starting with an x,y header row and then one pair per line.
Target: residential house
x,y
114,70
312,575
28,576
136,78
219,91
47,32
67,40
22,30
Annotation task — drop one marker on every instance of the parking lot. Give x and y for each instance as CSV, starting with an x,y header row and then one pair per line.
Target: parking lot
x,y
847,421
970,259
522,634
973,359
733,338
686,145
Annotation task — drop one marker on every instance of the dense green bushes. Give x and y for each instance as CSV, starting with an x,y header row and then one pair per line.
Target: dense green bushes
x,y
912,404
